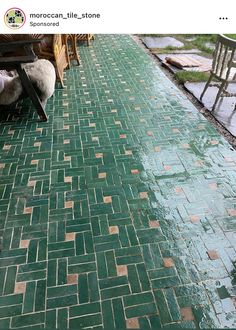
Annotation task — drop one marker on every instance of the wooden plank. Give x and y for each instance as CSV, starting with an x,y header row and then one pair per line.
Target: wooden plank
x,y
183,61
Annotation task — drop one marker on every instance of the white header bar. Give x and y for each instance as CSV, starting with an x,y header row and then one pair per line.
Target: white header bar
x,y
123,16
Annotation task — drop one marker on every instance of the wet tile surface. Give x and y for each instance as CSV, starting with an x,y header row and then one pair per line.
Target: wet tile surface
x,y
119,212
225,111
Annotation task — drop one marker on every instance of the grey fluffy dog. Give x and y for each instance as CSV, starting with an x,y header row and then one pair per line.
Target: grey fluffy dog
x,y
42,75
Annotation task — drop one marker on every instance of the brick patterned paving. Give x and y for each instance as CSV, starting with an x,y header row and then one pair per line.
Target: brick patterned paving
x,y
119,212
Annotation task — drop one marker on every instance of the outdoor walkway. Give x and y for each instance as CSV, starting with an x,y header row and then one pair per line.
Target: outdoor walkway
x,y
120,210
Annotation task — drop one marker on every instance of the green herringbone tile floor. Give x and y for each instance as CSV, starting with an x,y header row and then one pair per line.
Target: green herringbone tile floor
x,y
120,211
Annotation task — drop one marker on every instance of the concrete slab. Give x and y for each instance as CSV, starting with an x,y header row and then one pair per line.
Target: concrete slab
x,y
161,42
206,62
225,112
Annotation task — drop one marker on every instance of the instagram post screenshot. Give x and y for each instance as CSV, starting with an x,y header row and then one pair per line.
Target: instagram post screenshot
x,y
118,165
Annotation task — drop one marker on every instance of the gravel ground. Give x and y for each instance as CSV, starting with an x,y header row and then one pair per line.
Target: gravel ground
x,y
207,114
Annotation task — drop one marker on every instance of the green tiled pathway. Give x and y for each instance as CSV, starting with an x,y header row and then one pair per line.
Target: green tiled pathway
x,y
119,212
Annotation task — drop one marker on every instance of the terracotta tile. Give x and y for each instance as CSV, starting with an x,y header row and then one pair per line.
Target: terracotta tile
x,y
69,236
199,163
213,186
107,199
135,171
167,167
2,165
37,144
194,218
68,179
99,155
201,126
102,175
150,133
31,183
24,243
67,158
213,255
69,204
66,141
143,194
186,146
234,301
157,149
72,278
114,230
154,224
231,212
20,287
214,142
178,190
187,314
168,262
34,161
122,136
28,210
6,147
122,270
228,159
175,130
132,323
66,127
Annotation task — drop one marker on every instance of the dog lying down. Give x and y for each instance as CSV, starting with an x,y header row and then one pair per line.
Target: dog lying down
x,y
42,75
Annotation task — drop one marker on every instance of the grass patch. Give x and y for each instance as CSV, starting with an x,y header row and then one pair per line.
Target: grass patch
x,y
191,76
201,42
170,49
231,36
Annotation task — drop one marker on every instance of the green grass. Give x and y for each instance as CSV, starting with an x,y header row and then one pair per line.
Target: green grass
x,y
201,41
191,76
231,36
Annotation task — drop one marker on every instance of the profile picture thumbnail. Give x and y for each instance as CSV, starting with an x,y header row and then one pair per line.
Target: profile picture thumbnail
x,y
15,18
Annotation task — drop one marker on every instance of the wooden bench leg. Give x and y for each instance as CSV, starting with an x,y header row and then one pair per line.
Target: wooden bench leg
x,y
74,48
29,88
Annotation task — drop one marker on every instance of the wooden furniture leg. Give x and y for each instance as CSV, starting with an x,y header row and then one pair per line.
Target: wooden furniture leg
x,y
74,49
29,88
